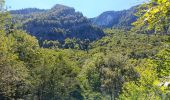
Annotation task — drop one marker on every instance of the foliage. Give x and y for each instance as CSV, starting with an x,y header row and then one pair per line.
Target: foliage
x,y
121,65
57,23
155,16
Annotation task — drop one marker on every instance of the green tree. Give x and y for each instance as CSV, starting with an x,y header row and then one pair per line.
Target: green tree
x,y
155,15
163,61
144,87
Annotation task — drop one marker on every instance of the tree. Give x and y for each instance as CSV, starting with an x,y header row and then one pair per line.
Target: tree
x,y
144,87
155,15
13,72
104,76
4,16
163,63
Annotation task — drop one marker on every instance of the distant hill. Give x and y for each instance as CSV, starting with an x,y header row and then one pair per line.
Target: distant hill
x,y
24,15
26,11
57,23
118,19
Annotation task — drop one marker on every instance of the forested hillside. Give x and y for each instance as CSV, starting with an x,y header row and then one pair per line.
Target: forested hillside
x,y
117,65
57,23
24,15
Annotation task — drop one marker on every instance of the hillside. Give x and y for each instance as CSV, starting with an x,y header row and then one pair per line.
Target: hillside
x,y
57,23
117,19
24,15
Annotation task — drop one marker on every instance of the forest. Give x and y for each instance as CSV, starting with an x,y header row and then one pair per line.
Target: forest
x,y
58,54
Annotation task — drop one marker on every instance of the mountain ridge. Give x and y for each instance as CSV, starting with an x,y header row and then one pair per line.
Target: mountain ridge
x,y
117,19
107,19
58,23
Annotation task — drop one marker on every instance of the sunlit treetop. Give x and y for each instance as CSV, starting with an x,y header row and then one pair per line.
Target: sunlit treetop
x,y
155,15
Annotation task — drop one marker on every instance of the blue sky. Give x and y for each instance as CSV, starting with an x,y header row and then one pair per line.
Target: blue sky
x,y
90,8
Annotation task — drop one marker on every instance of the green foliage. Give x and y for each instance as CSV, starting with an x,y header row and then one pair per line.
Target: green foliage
x,y
147,86
105,75
51,44
155,16
111,69
163,61
13,72
121,65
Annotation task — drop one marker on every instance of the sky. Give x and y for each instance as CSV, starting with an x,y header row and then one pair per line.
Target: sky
x,y
89,8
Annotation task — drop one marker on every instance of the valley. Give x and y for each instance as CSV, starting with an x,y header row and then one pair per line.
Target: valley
x,y
59,54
